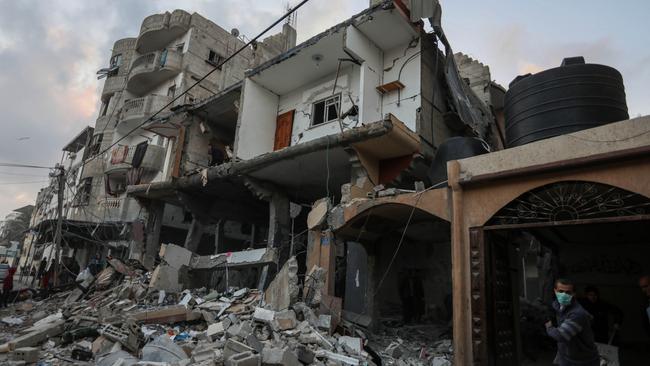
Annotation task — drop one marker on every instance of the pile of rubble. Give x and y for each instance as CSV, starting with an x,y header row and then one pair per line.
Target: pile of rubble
x,y
121,319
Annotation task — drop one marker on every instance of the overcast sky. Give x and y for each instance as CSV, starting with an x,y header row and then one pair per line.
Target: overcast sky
x,y
50,51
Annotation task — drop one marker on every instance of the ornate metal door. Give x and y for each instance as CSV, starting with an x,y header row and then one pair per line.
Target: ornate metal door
x,y
502,291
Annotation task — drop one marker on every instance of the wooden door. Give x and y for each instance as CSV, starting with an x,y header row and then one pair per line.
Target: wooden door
x,y
283,128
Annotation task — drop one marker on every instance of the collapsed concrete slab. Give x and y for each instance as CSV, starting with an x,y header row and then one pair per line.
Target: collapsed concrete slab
x,y
283,290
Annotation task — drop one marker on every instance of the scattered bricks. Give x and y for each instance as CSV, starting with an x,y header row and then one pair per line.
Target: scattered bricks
x,y
244,359
285,320
232,347
279,356
27,354
353,344
255,343
345,360
115,334
306,313
263,315
305,355
215,330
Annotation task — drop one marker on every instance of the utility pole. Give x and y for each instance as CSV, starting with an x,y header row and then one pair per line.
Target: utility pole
x,y
59,222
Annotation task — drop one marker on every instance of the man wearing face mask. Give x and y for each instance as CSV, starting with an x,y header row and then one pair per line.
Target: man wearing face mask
x,y
573,333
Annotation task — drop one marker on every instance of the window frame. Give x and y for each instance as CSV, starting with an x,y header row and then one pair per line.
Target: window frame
x,y
326,106
216,60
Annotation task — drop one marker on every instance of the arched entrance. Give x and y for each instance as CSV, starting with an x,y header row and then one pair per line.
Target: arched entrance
x,y
398,269
595,233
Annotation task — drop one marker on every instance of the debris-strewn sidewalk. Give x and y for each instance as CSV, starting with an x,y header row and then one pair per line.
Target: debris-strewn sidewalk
x,y
121,320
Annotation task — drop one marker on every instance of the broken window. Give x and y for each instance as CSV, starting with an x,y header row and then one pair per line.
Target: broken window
x,y
104,107
83,193
326,110
116,62
215,59
171,91
96,144
179,47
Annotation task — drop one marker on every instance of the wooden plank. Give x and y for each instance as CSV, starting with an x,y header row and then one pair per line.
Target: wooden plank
x,y
283,129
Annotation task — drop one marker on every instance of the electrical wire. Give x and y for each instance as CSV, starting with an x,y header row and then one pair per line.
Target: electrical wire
x,y
35,181
16,165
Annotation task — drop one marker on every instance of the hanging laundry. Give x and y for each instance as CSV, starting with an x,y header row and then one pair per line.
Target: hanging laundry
x,y
138,155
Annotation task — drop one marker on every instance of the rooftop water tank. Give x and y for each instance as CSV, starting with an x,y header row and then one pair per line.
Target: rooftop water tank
x,y
565,99
454,148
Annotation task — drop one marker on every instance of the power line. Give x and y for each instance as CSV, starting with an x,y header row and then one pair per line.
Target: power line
x,y
22,175
16,165
35,181
217,67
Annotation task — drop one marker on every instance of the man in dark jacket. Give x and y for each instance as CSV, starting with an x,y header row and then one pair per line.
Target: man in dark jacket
x,y
644,284
573,333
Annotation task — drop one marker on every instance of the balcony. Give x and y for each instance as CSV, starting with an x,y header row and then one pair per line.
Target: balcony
x,y
135,111
158,30
93,168
119,159
114,84
151,69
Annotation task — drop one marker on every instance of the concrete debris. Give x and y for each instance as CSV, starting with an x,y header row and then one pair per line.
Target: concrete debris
x,y
131,322
283,290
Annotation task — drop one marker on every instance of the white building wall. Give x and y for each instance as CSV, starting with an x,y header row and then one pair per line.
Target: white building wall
x,y
257,120
409,63
302,100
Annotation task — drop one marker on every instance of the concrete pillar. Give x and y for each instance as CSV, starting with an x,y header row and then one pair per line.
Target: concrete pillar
x,y
279,225
194,235
154,224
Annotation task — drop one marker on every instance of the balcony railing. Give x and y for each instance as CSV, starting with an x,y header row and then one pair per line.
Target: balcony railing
x,y
151,69
135,111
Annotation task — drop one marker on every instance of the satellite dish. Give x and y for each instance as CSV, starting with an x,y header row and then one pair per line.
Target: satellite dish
x,y
234,32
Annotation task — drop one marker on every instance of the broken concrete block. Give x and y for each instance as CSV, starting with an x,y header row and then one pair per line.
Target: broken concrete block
x,y
165,277
177,256
285,320
305,355
283,290
101,345
215,330
255,343
209,352
170,314
440,361
263,315
354,344
27,354
232,347
279,356
340,358
37,334
244,359
314,286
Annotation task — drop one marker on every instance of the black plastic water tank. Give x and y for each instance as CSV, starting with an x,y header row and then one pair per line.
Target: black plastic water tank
x,y
454,148
565,99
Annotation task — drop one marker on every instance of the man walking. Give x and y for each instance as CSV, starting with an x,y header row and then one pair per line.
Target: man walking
x,y
573,333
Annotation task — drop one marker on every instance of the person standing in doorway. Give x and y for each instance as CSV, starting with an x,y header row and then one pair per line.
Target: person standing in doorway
x,y
573,333
602,312
7,285
644,284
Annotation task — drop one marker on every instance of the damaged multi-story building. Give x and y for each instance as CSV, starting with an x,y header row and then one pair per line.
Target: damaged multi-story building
x,y
378,158
145,74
